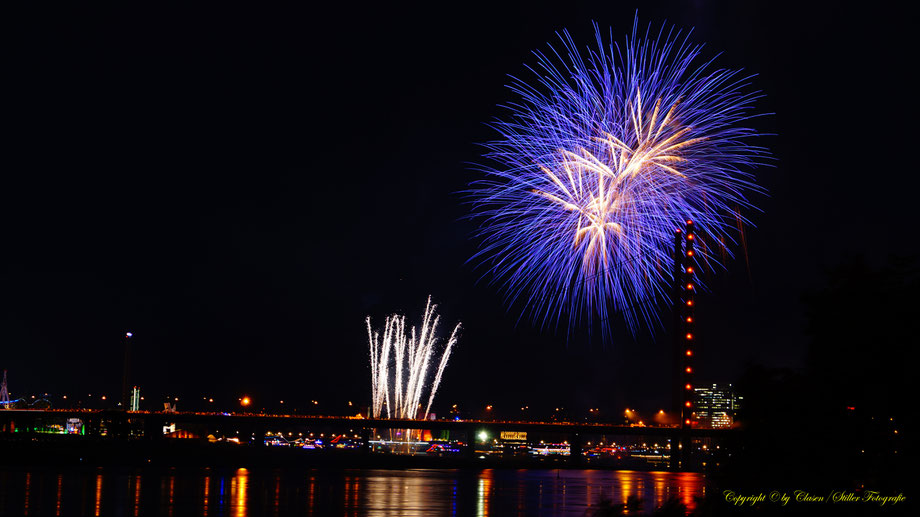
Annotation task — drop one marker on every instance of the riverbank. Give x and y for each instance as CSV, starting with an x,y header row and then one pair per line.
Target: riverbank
x,y
85,451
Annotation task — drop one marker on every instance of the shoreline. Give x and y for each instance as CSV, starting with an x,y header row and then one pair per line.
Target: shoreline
x,y
36,452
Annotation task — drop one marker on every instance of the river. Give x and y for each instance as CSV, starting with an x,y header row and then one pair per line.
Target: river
x,y
412,492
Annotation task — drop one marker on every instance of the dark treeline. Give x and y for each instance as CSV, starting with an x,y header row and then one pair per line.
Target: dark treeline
x,y
839,423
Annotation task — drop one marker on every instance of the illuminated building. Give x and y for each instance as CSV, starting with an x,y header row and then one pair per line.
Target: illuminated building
x,y
135,399
716,406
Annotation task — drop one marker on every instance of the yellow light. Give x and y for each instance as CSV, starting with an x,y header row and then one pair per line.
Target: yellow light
x,y
245,401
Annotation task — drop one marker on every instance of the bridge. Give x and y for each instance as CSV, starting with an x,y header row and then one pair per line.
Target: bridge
x,y
28,418
252,428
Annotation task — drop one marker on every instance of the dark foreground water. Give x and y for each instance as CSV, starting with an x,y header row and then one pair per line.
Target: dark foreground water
x,y
257,492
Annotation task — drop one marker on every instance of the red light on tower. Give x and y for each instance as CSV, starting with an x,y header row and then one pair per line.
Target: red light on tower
x,y
690,253
689,336
688,386
689,353
687,421
687,403
689,236
689,303
689,319
690,270
689,287
689,370
689,221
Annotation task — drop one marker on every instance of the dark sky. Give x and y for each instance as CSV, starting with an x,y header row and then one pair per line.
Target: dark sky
x,y
241,187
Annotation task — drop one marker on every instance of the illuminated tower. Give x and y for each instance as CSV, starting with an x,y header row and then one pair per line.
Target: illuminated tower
x,y
677,325
135,399
4,393
688,326
124,380
683,298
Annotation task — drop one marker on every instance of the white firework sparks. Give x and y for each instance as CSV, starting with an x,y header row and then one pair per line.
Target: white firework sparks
x,y
400,365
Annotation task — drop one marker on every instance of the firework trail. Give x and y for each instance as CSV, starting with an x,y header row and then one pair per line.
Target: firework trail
x,y
598,162
398,385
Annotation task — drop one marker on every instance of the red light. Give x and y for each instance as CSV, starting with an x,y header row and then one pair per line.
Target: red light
x,y
690,270
689,303
689,353
690,253
688,369
688,386
689,286
851,408
689,319
689,221
687,421
687,404
689,336
689,236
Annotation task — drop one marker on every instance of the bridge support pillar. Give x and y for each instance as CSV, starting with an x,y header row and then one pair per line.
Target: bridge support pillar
x,y
471,442
366,446
258,436
680,450
153,427
576,449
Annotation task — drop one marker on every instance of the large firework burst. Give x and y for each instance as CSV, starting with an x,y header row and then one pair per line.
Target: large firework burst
x,y
597,164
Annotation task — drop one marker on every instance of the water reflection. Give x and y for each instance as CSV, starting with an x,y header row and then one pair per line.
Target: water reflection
x,y
28,490
239,488
484,494
207,488
242,492
137,495
98,499
57,498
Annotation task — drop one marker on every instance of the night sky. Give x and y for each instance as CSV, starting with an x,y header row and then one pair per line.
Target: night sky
x,y
241,188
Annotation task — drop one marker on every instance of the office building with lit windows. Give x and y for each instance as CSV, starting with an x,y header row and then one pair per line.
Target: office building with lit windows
x,y
716,406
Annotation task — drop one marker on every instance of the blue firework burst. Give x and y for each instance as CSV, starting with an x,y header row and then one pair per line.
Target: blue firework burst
x,y
601,157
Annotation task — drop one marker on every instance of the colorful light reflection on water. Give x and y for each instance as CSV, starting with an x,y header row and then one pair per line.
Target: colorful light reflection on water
x,y
252,492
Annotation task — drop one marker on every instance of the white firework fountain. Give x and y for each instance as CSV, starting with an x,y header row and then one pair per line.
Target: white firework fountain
x,y
401,363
